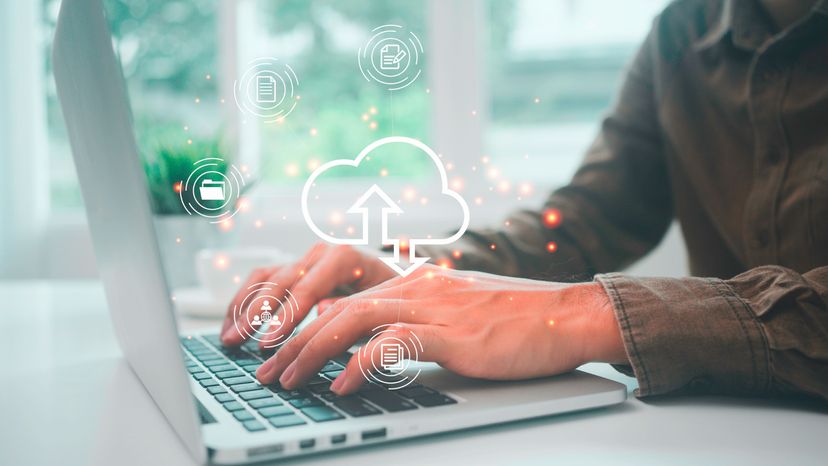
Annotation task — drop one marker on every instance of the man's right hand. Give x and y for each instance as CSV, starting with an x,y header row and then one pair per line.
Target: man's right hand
x,y
315,277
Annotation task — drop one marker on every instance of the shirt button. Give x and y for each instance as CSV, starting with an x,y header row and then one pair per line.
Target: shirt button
x,y
760,240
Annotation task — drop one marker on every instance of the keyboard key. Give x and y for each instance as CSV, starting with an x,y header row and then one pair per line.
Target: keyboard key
x,y
437,399
343,358
354,406
332,366
237,380
305,401
224,398
285,421
320,387
293,394
243,416
220,363
227,374
247,396
272,411
253,426
210,357
265,402
387,401
328,396
201,376
322,413
208,383
195,369
245,387
251,367
216,390
246,361
414,392
233,406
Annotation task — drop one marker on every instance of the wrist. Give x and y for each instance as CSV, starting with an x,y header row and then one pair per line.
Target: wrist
x,y
601,333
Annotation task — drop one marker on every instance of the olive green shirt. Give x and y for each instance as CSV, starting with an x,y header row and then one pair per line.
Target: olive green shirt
x,y
722,124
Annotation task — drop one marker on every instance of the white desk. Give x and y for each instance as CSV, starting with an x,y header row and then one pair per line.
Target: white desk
x,y
68,397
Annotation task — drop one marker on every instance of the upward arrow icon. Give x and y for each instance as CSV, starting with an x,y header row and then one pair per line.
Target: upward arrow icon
x,y
388,206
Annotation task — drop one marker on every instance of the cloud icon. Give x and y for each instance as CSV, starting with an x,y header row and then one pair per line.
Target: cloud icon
x,y
388,206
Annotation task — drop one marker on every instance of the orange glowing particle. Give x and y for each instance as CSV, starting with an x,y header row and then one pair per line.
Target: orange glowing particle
x,y
445,263
404,245
551,322
429,274
336,337
456,254
302,272
551,246
314,131
552,218
226,224
178,240
492,246
177,187
376,302
221,262
372,125
357,272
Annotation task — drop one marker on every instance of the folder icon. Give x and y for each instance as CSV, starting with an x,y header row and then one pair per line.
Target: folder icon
x,y
211,190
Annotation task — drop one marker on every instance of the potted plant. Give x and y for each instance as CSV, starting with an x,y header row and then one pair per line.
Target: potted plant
x,y
181,235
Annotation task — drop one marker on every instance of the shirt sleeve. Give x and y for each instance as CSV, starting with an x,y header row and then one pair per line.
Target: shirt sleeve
x,y
763,332
616,208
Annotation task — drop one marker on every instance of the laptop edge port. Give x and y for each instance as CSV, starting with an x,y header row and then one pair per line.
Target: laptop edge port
x,y
373,434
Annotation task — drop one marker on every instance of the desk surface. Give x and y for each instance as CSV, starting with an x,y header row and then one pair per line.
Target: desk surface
x,y
68,397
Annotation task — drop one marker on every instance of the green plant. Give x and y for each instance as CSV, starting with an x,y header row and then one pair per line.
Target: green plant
x,y
168,165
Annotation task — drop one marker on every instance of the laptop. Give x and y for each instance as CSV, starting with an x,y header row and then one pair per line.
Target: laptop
x,y
209,393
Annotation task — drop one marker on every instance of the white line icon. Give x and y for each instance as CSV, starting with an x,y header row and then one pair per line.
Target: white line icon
x,y
211,192
397,348
267,89
391,57
390,207
391,357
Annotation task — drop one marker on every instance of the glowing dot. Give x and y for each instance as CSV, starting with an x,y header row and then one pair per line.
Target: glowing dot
x,y
258,223
280,120
429,274
485,159
423,200
208,77
336,217
177,187
551,246
507,223
537,100
383,172
492,246
313,164
403,245
244,204
221,262
189,141
457,183
365,117
298,97
456,254
357,272
504,186
474,112
244,168
226,224
172,297
221,100
186,128
449,166
445,263
478,200
511,298
409,194
236,279
551,323
525,189
372,110
552,218
314,131
291,169
428,91
376,302
178,240
197,100
372,125
350,230
493,172
474,168
302,272
336,337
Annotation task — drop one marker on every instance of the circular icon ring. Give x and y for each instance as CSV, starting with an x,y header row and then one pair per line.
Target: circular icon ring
x,y
390,350
266,314
211,193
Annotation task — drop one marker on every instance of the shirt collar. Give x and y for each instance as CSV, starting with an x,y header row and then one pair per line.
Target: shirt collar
x,y
744,23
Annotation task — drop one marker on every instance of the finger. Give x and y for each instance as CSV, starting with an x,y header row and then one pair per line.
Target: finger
x,y
358,319
419,343
333,270
323,305
254,277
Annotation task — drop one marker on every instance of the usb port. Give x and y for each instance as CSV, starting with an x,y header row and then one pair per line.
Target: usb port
x,y
373,434
307,443
340,438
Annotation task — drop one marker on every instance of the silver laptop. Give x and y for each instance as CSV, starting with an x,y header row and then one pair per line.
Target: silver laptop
x,y
209,393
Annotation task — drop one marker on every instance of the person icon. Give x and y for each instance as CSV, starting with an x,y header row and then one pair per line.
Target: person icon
x,y
256,321
266,314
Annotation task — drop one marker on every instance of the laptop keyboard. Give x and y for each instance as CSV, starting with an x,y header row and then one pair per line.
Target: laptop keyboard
x,y
229,374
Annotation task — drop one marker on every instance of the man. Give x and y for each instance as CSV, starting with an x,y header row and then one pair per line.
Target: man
x,y
722,123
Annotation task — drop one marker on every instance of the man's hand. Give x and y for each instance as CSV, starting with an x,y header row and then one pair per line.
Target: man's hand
x,y
323,269
474,324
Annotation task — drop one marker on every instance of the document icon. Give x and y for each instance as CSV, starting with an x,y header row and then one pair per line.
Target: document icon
x,y
391,357
211,190
390,57
265,89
